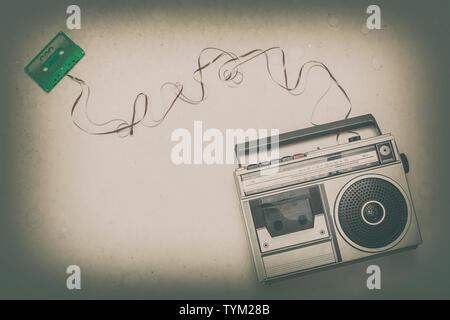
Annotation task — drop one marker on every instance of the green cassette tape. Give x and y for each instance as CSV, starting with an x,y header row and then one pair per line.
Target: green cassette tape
x,y
54,61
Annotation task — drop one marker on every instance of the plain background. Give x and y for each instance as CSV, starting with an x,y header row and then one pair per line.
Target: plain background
x,y
140,226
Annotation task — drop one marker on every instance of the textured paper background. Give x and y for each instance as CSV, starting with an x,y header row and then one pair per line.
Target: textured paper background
x,y
139,226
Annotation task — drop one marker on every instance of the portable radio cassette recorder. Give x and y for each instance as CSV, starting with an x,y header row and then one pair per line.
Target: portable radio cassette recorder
x,y
326,207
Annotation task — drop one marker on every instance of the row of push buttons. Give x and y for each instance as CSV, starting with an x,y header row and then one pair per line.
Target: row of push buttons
x,y
275,161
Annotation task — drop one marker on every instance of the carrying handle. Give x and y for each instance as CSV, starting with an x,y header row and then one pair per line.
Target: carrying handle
x,y
307,133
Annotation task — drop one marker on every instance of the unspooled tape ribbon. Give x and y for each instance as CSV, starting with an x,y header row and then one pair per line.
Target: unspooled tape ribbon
x,y
229,71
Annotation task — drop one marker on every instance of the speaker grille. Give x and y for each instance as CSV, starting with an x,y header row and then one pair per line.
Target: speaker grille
x,y
356,198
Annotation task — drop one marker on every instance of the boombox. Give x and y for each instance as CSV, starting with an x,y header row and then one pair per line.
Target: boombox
x,y
333,205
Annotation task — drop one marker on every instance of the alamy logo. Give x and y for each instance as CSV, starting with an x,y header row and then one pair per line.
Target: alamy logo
x,y
74,20
374,280
74,280
374,20
214,147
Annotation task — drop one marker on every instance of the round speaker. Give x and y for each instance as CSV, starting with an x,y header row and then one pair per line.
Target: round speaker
x,y
372,213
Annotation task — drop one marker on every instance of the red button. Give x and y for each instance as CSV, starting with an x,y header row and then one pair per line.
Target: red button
x,y
299,155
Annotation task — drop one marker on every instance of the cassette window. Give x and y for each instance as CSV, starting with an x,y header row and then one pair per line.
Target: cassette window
x,y
287,212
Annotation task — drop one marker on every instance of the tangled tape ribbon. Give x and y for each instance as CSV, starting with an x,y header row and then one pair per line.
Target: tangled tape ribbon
x,y
229,72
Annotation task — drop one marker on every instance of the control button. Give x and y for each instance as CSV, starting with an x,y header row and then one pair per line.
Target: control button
x,y
287,158
385,150
299,155
264,163
355,138
404,162
252,166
